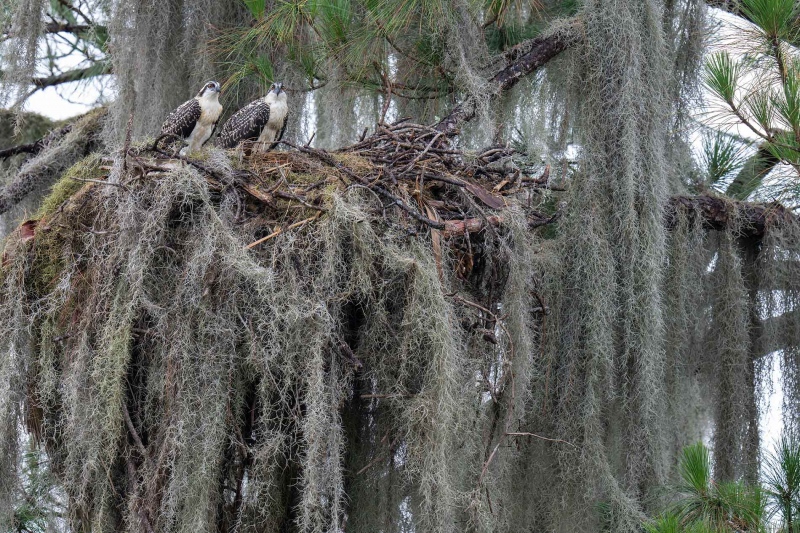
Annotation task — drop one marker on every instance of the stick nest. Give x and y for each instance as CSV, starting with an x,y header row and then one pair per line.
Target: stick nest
x,y
412,171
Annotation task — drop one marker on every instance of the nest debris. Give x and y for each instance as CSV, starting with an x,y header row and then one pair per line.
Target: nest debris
x,y
411,167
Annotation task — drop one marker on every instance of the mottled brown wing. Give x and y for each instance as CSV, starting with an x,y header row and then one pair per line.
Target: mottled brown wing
x,y
245,125
283,129
182,121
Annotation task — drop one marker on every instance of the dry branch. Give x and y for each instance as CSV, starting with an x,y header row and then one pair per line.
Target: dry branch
x,y
720,213
72,75
36,146
540,51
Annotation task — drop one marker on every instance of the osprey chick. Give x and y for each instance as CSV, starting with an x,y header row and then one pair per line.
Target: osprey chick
x,y
196,119
263,120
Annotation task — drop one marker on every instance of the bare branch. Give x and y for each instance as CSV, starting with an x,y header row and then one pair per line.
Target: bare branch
x,y
72,75
66,27
540,51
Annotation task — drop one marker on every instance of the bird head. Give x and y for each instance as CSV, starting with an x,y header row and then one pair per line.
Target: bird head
x,y
210,88
276,93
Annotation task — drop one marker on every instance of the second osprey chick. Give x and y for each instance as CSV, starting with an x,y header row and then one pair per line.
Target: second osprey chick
x,y
263,120
196,119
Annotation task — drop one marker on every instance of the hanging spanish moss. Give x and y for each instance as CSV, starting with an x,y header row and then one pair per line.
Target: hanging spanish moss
x,y
24,22
399,335
779,305
160,57
28,176
608,392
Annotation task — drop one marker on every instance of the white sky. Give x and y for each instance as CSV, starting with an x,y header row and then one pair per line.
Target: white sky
x,y
49,103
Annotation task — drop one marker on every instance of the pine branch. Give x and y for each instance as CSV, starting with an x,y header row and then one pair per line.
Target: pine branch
x,y
752,174
540,51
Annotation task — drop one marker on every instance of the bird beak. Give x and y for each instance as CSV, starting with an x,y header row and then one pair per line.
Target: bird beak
x,y
278,88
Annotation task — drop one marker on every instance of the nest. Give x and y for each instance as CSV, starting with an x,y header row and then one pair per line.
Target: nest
x,y
410,169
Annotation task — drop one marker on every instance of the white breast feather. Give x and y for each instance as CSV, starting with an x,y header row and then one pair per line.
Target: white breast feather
x,y
277,115
210,110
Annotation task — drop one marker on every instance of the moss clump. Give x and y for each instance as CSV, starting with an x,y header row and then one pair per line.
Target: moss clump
x,y
359,164
303,177
48,262
54,238
70,183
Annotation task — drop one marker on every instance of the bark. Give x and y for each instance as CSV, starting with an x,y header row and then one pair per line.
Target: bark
x,y
716,213
540,51
72,75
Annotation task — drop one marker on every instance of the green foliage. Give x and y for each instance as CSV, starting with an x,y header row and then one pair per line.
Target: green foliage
x,y
781,479
722,75
671,523
70,183
721,156
762,89
776,18
700,504
700,501
350,41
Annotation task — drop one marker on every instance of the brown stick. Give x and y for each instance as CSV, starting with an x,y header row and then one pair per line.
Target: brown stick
x,y
281,230
377,458
542,49
135,435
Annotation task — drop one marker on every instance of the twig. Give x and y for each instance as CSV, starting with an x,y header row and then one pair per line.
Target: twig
x,y
348,353
377,458
132,477
425,151
513,434
127,146
534,435
327,158
101,182
281,230
135,435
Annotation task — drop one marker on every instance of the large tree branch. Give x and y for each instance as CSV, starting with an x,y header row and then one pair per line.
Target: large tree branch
x,y
30,148
72,75
540,51
718,213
